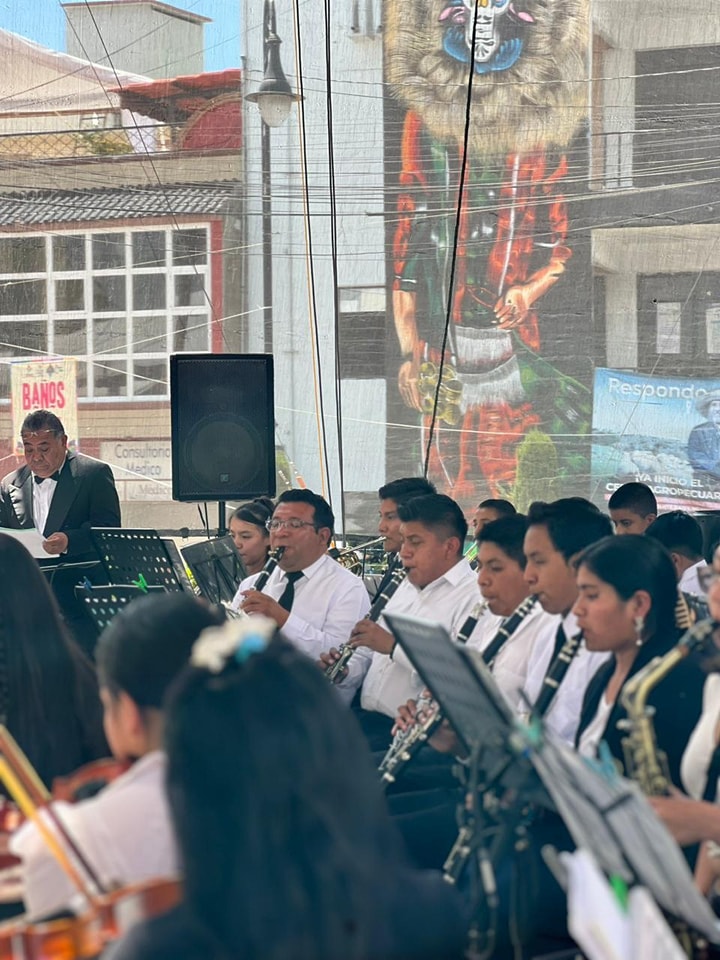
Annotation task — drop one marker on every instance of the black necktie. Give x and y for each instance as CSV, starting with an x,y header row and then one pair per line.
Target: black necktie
x,y
53,476
288,594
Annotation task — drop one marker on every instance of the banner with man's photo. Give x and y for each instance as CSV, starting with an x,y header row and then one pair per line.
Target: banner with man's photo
x,y
662,431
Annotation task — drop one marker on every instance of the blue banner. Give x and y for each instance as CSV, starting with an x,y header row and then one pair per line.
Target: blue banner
x,y
661,431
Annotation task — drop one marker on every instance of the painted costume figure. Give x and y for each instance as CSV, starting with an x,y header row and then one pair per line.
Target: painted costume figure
x,y
528,90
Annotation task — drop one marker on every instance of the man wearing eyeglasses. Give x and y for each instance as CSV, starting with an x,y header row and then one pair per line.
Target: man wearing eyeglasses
x,y
313,599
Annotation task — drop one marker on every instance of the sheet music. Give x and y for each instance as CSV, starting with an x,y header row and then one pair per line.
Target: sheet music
x,y
596,920
31,539
651,934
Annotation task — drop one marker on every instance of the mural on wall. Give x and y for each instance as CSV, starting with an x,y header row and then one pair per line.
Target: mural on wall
x,y
662,431
504,414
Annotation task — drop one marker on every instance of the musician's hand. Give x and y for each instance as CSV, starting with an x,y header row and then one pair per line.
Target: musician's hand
x,y
328,659
365,633
256,602
445,740
56,544
689,821
406,716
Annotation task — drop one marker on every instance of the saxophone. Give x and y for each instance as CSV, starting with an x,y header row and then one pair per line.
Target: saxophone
x,y
335,670
644,762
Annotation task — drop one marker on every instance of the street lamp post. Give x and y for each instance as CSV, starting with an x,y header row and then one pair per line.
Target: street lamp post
x,y
274,98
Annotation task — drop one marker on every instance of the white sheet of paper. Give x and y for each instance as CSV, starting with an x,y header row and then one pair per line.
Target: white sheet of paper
x,y
595,918
651,933
31,539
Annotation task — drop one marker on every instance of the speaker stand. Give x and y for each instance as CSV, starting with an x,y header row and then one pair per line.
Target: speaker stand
x,y
222,519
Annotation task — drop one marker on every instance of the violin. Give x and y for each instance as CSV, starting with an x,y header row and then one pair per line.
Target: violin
x,y
88,780
84,937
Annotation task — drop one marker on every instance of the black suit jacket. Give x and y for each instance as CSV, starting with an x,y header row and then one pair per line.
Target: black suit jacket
x,y
85,494
677,700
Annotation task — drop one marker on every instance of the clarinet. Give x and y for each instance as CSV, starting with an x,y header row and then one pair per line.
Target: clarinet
x,y
274,557
556,674
491,651
406,743
467,628
272,561
379,603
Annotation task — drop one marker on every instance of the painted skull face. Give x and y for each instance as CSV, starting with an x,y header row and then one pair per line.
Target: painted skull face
x,y
487,34
498,32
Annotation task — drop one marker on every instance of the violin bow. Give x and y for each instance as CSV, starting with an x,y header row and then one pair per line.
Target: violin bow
x,y
31,794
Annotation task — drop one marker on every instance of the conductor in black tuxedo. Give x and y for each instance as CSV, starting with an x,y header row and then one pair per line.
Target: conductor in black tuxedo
x,y
60,493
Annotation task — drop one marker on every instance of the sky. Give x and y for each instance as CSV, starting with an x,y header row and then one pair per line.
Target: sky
x,y
44,22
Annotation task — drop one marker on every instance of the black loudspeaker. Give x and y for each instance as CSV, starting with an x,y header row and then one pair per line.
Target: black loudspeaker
x,y
223,426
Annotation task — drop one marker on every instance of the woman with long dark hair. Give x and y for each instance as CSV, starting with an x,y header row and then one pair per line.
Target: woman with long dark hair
x,y
626,606
287,848
124,831
250,535
48,690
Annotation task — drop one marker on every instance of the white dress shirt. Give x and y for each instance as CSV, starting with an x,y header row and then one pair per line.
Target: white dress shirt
x,y
511,663
563,715
689,582
42,498
125,832
328,602
701,745
391,680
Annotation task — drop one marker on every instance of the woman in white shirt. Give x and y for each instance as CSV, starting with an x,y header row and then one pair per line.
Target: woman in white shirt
x,y
124,831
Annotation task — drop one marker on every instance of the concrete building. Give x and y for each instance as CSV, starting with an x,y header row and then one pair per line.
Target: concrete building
x,y
139,36
328,295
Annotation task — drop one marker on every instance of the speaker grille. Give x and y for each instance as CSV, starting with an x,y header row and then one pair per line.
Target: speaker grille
x,y
223,426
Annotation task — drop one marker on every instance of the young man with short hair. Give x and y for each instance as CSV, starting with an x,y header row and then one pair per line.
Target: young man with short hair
x,y
633,508
439,585
557,533
682,537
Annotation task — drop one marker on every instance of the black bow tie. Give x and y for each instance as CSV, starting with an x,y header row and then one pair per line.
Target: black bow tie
x,y
53,476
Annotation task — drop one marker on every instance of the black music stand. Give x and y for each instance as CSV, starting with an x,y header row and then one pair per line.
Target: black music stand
x,y
178,565
217,568
134,557
604,812
102,604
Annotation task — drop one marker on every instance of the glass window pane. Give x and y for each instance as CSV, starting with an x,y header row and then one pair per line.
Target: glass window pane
x,y
148,248
108,294
190,290
191,334
71,336
110,378
189,246
22,254
70,294
149,291
19,297
21,337
110,335
82,388
108,251
151,379
149,335
668,327
68,253
712,328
